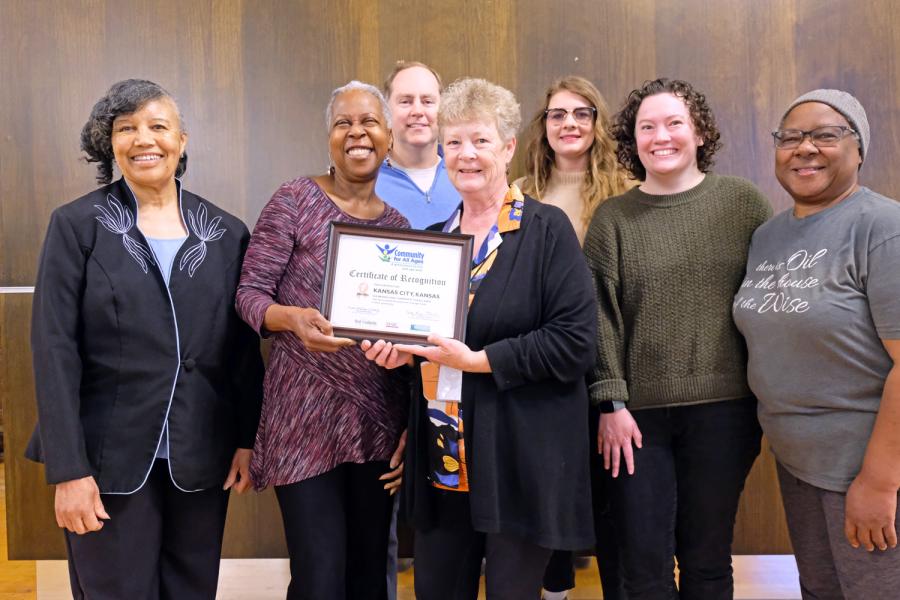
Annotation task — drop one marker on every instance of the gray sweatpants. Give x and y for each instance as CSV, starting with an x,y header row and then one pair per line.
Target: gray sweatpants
x,y
830,568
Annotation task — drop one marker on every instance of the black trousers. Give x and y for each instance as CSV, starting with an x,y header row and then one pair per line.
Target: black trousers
x,y
159,543
560,573
448,558
559,576
609,562
336,525
683,498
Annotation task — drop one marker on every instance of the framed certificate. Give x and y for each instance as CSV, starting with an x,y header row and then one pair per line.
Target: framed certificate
x,y
398,285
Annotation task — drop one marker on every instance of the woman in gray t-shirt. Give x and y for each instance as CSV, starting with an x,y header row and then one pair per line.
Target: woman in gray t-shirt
x,y
820,310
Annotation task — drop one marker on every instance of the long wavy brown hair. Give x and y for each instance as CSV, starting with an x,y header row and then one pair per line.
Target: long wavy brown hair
x,y
605,178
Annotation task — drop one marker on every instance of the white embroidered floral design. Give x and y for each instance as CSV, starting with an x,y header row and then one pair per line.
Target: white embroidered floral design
x,y
119,219
207,232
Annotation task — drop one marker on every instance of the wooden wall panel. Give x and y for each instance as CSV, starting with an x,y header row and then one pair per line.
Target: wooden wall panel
x,y
588,40
761,527
31,528
254,523
253,78
856,49
465,38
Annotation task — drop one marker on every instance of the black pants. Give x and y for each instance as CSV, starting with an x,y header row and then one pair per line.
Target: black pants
x,y
609,561
159,543
448,558
683,498
559,576
560,573
336,525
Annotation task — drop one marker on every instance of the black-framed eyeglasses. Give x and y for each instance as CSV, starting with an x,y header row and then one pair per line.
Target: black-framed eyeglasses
x,y
821,137
583,115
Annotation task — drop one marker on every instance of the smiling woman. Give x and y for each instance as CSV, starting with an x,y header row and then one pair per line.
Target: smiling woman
x,y
509,415
677,428
824,347
572,164
148,144
359,135
132,301
819,178
571,158
331,419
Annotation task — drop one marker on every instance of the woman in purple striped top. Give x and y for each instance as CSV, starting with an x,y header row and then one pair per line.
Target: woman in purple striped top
x,y
331,420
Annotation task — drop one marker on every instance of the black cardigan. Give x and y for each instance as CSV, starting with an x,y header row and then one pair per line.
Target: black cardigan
x,y
116,351
526,423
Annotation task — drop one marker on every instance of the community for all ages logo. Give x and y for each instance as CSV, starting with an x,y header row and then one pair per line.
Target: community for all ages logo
x,y
396,256
386,252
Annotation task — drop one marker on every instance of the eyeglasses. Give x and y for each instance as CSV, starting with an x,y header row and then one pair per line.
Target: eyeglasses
x,y
583,115
821,137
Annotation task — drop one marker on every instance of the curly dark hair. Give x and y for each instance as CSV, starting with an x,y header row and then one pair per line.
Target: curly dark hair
x,y
622,128
123,98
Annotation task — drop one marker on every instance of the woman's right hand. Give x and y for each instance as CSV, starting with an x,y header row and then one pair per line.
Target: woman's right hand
x,y
617,431
308,325
394,477
385,354
78,506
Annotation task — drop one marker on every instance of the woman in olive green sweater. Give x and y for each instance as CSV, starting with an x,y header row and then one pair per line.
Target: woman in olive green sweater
x,y
667,258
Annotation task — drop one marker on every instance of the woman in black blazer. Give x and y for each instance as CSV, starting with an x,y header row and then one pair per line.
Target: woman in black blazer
x,y
148,384
498,468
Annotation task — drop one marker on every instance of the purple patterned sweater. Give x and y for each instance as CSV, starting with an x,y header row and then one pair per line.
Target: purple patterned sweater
x,y
319,410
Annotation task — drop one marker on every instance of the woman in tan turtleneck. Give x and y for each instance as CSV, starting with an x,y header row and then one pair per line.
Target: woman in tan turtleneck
x,y
571,162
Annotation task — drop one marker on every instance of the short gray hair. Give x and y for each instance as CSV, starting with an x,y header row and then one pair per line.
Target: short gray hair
x,y
472,99
363,87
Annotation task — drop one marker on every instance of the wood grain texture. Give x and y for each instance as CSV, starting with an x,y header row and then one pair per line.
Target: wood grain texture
x,y
761,527
31,528
253,527
252,80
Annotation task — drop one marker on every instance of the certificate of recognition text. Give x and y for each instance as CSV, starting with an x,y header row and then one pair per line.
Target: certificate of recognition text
x,y
400,285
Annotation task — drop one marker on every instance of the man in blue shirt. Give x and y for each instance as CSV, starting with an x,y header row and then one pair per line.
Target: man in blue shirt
x,y
414,181
413,178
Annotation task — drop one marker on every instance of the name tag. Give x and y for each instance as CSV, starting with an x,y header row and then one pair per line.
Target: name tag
x,y
441,384
449,384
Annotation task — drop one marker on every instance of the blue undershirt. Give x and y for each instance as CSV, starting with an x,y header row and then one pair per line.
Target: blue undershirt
x,y
165,251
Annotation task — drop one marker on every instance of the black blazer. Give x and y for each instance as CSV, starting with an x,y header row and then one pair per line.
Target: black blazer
x,y
526,423
116,352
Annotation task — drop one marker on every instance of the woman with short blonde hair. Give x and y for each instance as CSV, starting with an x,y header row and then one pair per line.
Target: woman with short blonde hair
x,y
497,467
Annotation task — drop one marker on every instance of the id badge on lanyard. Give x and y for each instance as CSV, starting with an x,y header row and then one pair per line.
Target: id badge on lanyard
x,y
440,383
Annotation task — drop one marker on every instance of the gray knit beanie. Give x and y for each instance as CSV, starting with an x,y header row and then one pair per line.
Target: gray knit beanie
x,y
845,104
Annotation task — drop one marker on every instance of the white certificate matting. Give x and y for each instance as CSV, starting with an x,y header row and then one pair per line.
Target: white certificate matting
x,y
396,286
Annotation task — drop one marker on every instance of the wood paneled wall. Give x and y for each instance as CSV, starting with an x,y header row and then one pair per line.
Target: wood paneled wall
x,y
252,79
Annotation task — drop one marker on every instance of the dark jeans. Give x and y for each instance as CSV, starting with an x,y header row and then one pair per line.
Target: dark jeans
x,y
336,526
160,543
448,558
683,498
609,562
